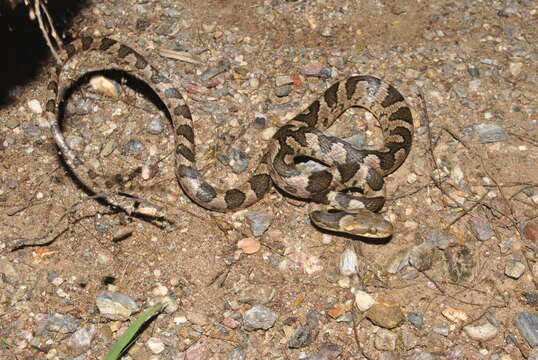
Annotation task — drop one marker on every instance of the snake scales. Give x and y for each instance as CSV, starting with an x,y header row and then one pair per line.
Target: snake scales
x,y
345,168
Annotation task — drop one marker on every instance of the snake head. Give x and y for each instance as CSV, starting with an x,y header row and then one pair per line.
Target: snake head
x,y
360,222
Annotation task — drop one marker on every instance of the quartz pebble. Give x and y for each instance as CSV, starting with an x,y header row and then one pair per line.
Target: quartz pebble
x,y
349,263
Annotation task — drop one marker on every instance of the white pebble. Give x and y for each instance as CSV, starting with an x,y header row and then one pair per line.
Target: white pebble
x,y
155,345
482,332
349,262
35,106
363,300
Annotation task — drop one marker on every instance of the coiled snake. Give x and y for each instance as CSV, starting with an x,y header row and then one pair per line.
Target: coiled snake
x,y
345,167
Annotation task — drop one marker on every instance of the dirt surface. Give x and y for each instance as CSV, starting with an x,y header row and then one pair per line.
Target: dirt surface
x,y
456,281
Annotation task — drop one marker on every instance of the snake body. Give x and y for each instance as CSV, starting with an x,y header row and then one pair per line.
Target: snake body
x,y
345,166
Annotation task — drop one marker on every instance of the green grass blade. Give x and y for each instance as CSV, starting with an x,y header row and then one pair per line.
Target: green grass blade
x,y
130,335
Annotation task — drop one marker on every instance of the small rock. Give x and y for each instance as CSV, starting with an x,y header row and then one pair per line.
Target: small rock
x,y
385,314
259,317
481,332
115,306
474,72
155,125
62,323
312,69
415,318
441,239
259,221
363,300
441,330
283,90
330,351
527,324
249,245
515,68
460,263
385,340
230,323
12,123
258,294
155,345
238,161
481,227
424,356
315,356
454,315
530,231
222,66
35,106
327,31
336,311
197,318
397,261
198,351
349,263
81,339
133,147
514,269
303,336
31,130
268,133
421,256
488,133
105,86
237,354
283,80
74,142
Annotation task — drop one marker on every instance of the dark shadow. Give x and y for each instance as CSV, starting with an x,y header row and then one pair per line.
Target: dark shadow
x,y
135,84
25,49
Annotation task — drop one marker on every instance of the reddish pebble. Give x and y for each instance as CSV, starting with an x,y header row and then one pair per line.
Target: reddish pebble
x,y
336,311
194,88
230,323
312,69
531,231
249,245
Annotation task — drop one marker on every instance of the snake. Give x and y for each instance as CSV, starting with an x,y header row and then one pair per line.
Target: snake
x,y
347,184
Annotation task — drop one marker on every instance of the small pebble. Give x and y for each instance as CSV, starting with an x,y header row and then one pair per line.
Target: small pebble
x,y
489,133
441,330
81,339
385,314
415,318
249,245
155,345
481,332
35,106
155,125
481,228
527,324
62,323
115,306
259,317
349,263
421,256
515,68
259,221
363,300
454,315
283,80
133,147
385,340
530,231
514,269
283,90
